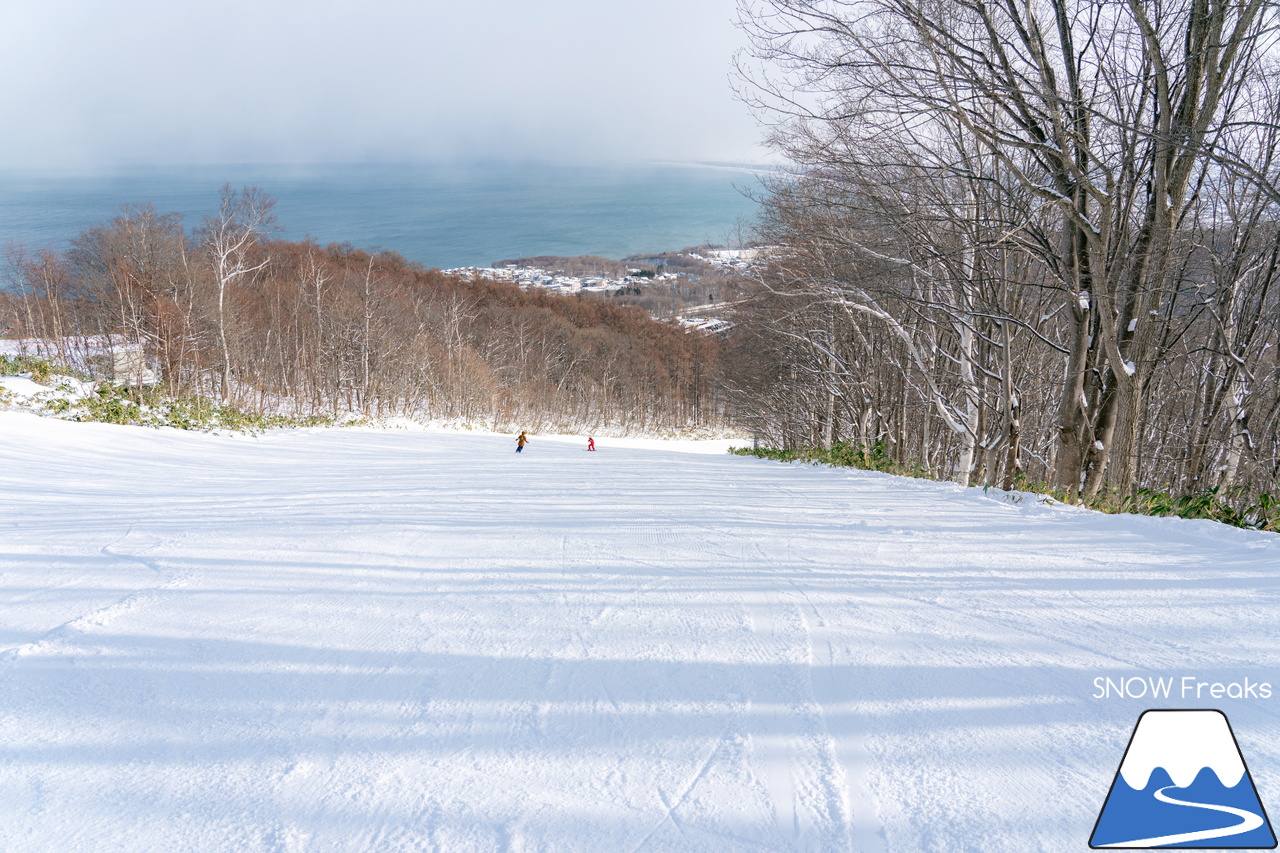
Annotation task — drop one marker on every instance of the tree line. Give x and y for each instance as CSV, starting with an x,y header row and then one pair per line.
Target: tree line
x,y
1022,242
273,326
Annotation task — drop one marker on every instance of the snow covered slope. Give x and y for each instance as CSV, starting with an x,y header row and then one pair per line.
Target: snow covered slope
x,y
382,640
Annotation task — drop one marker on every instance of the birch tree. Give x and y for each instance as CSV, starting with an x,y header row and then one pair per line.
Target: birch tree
x,y
230,239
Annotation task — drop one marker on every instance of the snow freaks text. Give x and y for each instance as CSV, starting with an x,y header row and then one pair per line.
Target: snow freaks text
x,y
1174,687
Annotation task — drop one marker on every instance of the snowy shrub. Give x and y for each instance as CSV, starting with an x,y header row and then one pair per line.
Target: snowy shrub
x,y
119,404
1230,506
40,369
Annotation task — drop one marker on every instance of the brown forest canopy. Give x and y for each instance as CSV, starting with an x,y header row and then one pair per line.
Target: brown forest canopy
x,y
269,324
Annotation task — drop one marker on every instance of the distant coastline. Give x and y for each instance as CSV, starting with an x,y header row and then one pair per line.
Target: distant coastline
x,y
692,287
746,168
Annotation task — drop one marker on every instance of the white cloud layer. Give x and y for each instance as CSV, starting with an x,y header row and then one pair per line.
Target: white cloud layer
x,y
89,82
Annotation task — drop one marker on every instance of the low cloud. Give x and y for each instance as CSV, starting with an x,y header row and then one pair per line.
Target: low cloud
x,y
148,81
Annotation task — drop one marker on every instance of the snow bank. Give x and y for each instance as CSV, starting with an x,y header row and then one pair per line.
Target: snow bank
x,y
24,390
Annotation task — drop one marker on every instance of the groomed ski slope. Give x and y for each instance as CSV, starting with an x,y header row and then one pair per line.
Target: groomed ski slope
x,y
391,640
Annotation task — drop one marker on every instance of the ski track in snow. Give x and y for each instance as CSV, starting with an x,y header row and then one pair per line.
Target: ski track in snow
x,y
384,640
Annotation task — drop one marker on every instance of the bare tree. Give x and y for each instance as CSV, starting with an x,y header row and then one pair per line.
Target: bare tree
x,y
230,239
1015,146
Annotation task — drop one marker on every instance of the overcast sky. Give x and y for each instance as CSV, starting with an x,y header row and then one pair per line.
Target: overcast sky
x,y
90,82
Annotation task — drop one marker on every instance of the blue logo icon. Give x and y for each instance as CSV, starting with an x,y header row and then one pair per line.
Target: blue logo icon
x,y
1183,784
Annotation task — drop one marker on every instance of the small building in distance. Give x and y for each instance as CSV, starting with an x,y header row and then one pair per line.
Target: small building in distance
x,y
129,366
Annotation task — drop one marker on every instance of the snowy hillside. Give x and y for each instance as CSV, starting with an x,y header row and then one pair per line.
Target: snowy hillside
x,y
383,640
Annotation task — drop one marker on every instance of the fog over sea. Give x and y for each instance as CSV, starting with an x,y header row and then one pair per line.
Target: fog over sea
x,y
440,216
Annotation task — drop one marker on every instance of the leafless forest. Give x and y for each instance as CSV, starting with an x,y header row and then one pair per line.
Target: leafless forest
x,y
1021,242
269,326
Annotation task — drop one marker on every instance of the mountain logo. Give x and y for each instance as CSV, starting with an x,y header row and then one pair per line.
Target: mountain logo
x,y
1183,784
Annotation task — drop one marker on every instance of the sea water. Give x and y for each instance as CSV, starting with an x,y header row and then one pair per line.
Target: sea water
x,y
438,215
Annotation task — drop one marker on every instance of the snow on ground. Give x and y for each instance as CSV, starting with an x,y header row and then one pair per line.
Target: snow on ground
x,y
21,387
23,391
392,640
